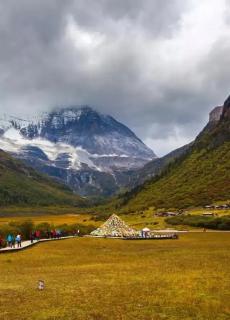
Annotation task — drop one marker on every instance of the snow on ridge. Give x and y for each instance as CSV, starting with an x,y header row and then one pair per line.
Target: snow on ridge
x,y
65,116
13,141
70,115
7,121
112,155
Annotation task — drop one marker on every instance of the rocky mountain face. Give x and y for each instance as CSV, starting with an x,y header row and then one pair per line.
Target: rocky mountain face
x,y
226,109
215,114
88,151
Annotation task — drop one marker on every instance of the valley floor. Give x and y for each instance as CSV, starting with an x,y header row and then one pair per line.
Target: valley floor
x,y
58,216
115,279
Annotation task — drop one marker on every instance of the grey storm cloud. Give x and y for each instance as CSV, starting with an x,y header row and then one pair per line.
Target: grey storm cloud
x,y
157,66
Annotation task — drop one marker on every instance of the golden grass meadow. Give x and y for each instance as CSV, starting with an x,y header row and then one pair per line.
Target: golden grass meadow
x,y
98,279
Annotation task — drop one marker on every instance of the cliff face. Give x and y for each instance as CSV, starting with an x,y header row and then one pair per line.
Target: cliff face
x,y
221,112
226,109
215,114
217,131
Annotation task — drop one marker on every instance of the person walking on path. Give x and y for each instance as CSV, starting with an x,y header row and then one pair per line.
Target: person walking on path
x,y
1,242
13,241
9,239
32,236
18,240
37,235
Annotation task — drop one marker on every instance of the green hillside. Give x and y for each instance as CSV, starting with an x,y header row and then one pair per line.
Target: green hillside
x,y
21,185
199,177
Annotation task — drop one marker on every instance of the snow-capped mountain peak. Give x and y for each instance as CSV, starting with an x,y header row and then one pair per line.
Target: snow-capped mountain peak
x,y
75,141
84,127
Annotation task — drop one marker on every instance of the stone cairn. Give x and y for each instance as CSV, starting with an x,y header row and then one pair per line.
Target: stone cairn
x,y
114,227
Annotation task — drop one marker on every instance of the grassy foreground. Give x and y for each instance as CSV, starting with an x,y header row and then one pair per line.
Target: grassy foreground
x,y
115,279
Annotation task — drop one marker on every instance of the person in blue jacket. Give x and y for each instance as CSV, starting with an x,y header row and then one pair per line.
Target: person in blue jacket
x,y
13,241
9,240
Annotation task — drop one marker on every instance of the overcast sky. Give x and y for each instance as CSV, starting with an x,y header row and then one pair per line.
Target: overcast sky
x,y
158,66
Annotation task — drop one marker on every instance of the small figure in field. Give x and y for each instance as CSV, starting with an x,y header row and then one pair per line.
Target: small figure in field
x,y
18,240
204,230
41,285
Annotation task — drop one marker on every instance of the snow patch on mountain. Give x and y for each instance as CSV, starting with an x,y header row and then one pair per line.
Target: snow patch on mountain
x,y
12,141
84,127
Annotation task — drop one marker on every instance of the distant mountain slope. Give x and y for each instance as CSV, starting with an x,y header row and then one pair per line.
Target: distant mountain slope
x,y
79,146
198,177
154,167
21,185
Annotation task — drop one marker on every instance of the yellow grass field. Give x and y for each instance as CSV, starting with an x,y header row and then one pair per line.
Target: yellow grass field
x,y
52,219
100,279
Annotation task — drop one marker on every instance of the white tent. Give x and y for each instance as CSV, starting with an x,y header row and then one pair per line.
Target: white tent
x,y
145,232
146,229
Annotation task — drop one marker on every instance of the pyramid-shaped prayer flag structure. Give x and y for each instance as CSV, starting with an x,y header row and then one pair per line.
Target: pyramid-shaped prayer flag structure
x,y
114,227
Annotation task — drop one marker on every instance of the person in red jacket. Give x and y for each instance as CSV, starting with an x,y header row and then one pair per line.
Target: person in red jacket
x,y
37,234
1,242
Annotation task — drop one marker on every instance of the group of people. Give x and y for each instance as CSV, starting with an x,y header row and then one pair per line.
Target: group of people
x,y
12,241
53,234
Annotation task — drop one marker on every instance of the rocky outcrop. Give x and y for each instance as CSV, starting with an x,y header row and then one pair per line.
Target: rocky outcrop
x,y
215,114
226,109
